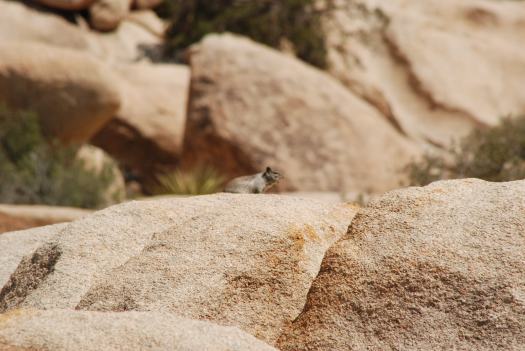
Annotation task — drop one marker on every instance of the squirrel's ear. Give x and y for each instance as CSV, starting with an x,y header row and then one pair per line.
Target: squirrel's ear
x,y
268,170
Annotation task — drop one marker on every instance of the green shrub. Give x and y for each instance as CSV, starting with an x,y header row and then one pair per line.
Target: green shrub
x,y
35,171
199,181
494,154
267,21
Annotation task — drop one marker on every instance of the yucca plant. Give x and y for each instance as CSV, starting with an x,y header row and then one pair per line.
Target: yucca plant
x,y
198,181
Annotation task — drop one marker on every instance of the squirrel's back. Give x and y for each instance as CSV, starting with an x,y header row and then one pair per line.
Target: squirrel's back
x,y
253,184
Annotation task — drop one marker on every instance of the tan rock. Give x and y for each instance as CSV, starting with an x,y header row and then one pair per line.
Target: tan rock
x,y
93,331
15,245
238,260
147,4
67,4
19,23
102,164
10,223
73,94
434,268
251,107
36,215
147,133
127,43
434,69
149,20
106,15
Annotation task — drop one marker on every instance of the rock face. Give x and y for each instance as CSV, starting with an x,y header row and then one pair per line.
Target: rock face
x,y
139,31
18,217
74,95
15,245
251,107
434,68
147,133
80,330
18,23
147,4
239,260
106,15
126,44
10,223
67,4
439,267
149,20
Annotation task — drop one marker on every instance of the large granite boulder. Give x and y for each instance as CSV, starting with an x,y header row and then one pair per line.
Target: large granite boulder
x,y
436,68
66,4
238,260
73,94
19,23
147,133
434,268
137,33
14,246
68,330
106,15
251,106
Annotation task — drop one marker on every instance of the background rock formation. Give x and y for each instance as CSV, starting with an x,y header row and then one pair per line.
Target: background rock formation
x,y
307,125
74,95
434,69
147,133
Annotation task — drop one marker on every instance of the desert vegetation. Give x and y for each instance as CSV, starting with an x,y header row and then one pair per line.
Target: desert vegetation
x,y
495,154
267,21
34,170
197,181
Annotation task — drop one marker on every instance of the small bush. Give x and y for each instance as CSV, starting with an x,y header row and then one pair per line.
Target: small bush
x,y
35,171
267,21
494,154
199,181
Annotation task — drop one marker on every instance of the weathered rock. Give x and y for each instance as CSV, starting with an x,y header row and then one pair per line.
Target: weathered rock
x,y
239,260
129,43
148,20
146,4
67,4
10,223
15,245
81,330
18,217
434,68
136,34
106,15
434,268
251,106
73,94
147,133
19,23
99,162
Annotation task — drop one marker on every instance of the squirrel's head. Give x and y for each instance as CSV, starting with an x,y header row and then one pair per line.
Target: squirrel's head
x,y
271,176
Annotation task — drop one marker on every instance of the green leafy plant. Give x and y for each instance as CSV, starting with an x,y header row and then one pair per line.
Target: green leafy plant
x,y
268,21
36,171
199,181
494,154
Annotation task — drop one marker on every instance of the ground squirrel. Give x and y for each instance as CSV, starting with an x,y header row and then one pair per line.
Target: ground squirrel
x,y
253,184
